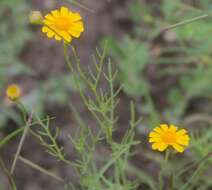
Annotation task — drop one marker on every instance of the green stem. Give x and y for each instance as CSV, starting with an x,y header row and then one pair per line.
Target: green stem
x,y
6,139
112,109
67,60
185,22
167,155
7,173
23,110
26,129
170,181
39,168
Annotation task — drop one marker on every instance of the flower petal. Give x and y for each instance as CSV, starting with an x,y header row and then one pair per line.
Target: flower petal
x,y
154,134
49,17
77,26
184,137
74,17
155,146
58,38
158,130
162,146
183,142
154,139
173,128
45,29
55,13
50,34
164,127
159,146
181,132
178,148
64,11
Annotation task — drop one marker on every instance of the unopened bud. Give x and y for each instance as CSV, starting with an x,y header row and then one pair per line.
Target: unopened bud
x,y
35,17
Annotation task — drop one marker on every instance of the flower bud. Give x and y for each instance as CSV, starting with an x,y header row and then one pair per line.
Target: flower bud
x,y
13,92
35,17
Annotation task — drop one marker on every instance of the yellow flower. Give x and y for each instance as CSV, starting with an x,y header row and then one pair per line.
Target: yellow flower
x,y
13,92
35,17
165,136
63,24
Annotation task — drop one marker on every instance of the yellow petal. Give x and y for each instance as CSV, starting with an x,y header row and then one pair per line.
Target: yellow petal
x,y
155,146
162,146
45,29
75,34
178,148
158,130
67,37
64,11
49,17
50,34
154,139
74,17
172,128
154,134
77,26
58,38
181,132
184,137
47,22
164,127
183,142
159,146
55,13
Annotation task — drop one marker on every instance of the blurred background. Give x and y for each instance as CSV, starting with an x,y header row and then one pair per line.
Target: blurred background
x,y
168,75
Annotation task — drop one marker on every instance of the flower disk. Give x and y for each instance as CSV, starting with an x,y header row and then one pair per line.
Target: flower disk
x,y
13,92
63,24
165,136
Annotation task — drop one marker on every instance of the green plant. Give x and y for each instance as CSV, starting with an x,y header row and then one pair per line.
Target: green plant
x,y
112,169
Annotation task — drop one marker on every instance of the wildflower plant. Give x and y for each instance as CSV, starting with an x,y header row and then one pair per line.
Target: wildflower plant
x,y
95,170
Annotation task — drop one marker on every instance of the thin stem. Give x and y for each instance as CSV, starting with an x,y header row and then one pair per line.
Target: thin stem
x,y
39,168
70,66
67,60
170,177
6,139
21,143
111,93
110,163
184,22
23,110
7,173
167,155
74,2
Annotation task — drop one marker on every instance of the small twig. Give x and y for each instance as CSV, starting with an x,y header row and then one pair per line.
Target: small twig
x,y
7,173
76,3
197,118
21,143
39,168
184,22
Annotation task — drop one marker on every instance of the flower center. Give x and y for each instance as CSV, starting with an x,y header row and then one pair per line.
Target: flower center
x,y
169,137
13,90
62,23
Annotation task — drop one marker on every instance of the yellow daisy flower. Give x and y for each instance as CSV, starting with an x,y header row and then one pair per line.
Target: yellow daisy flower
x,y
168,135
63,24
13,92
